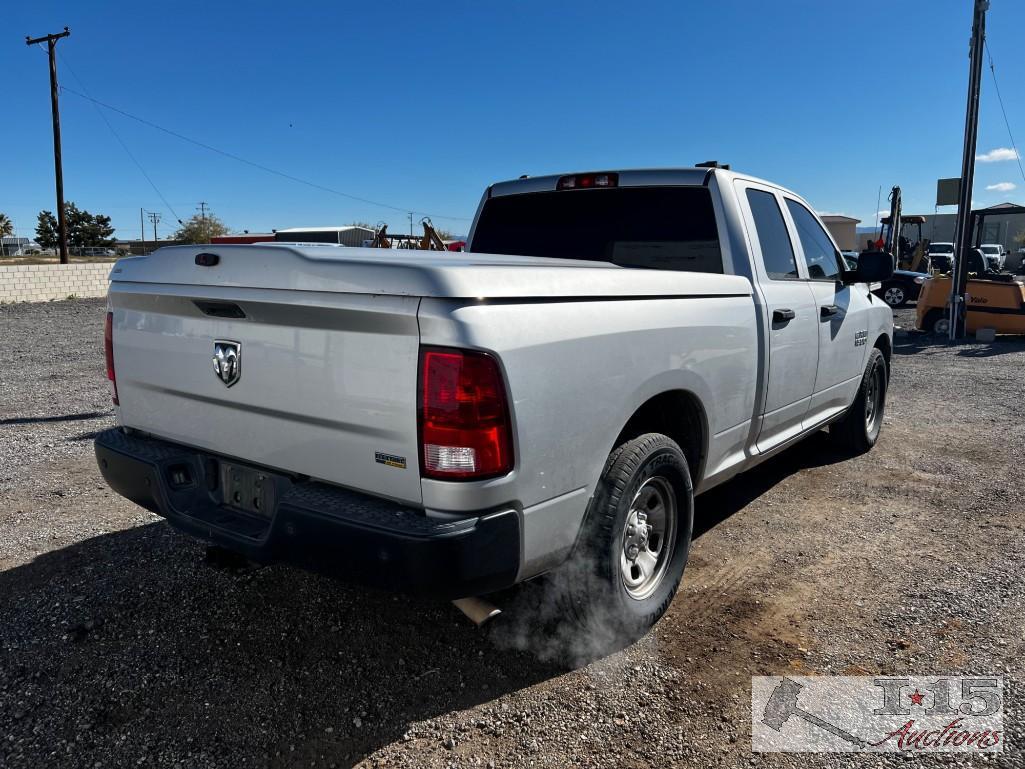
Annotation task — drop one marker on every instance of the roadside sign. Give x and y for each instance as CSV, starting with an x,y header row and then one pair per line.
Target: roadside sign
x,y
948,191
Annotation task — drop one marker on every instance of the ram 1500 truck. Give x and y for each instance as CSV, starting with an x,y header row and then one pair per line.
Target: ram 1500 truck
x,y
548,402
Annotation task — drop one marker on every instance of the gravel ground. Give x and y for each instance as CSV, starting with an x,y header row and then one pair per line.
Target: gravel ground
x,y
120,645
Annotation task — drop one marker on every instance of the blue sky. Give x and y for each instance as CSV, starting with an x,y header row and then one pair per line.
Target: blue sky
x,y
421,106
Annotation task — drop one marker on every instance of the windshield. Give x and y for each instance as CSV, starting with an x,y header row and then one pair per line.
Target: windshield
x,y
941,248
662,228
990,249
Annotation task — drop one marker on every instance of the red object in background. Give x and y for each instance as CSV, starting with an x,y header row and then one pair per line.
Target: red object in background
x,y
242,239
456,245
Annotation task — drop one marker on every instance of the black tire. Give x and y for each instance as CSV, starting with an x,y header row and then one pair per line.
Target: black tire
x,y
894,294
858,430
932,318
591,587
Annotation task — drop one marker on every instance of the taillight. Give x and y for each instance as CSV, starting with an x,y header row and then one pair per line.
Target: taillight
x,y
587,181
464,416
108,351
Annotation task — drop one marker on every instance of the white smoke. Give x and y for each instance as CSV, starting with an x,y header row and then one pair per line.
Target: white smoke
x,y
537,618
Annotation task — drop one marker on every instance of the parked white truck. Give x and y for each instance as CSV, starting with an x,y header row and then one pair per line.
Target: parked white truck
x,y
452,424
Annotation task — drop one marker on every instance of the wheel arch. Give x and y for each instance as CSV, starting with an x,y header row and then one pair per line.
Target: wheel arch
x,y
677,414
885,346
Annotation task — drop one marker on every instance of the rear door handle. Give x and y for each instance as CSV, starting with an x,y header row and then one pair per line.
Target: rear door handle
x,y
783,316
829,310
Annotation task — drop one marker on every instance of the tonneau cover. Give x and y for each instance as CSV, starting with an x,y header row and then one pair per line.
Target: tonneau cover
x,y
394,272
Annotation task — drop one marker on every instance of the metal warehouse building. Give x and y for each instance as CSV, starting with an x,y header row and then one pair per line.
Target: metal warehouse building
x,y
353,235
998,228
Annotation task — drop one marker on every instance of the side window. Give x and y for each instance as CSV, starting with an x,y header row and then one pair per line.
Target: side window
x,y
777,251
819,253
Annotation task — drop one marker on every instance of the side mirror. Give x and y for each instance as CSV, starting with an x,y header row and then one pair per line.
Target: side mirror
x,y
873,267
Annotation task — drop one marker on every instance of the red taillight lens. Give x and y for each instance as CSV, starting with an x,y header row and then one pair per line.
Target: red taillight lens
x,y
464,416
108,351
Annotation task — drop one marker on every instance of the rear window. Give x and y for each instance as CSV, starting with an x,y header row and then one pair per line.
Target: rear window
x,y
661,228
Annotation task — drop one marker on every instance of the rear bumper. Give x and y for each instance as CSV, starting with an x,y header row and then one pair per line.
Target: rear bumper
x,y
317,526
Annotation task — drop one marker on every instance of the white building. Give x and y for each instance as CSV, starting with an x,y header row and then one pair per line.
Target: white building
x,y
12,246
843,229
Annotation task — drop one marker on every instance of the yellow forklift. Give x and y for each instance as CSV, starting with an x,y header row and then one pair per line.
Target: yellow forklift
x,y
993,300
911,246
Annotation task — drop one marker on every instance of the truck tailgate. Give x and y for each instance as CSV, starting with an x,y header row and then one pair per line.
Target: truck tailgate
x,y
326,384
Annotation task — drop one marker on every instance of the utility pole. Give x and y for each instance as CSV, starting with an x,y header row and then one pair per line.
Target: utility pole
x,y
963,228
202,210
142,233
410,224
62,225
154,217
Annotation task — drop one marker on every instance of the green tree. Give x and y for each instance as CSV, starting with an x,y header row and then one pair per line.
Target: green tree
x,y
200,229
6,231
46,229
84,229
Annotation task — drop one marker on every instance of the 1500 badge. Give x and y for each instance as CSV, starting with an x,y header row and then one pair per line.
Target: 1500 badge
x,y
390,459
860,338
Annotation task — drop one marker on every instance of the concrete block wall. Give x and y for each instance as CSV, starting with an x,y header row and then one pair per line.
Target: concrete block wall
x,y
44,282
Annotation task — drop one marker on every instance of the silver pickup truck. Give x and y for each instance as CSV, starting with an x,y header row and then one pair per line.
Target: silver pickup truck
x,y
551,401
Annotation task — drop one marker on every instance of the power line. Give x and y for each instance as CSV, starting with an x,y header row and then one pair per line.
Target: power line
x,y
120,141
260,166
996,87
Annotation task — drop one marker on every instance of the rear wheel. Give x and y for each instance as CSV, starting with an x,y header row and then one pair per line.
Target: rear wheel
x,y
634,544
858,430
894,295
936,322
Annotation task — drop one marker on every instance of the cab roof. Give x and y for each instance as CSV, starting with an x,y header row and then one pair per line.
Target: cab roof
x,y
693,176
